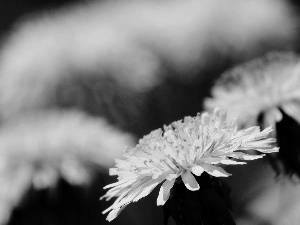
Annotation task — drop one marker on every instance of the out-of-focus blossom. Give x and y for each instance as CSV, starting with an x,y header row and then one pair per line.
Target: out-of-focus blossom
x,y
263,200
277,204
266,91
14,184
196,145
38,149
132,43
256,91
65,144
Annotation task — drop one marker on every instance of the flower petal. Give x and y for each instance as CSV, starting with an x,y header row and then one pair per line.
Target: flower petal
x,y
146,189
244,156
190,181
197,170
114,213
215,170
231,162
164,192
210,160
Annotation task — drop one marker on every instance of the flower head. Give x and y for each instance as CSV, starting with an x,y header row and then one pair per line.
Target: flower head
x,y
265,91
184,149
259,89
39,149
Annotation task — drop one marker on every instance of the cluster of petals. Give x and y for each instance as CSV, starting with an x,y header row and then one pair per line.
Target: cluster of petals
x,y
261,87
183,149
39,149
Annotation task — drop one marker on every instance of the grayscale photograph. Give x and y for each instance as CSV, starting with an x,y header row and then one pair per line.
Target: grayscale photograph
x,y
149,112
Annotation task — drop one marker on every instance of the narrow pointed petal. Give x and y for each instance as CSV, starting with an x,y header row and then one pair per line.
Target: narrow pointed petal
x,y
164,192
231,162
275,149
114,213
215,170
248,131
190,181
145,190
244,156
210,160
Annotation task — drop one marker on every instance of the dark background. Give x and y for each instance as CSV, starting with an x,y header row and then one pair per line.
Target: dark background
x,y
170,101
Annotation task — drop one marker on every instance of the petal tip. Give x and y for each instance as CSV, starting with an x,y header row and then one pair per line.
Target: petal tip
x,y
193,188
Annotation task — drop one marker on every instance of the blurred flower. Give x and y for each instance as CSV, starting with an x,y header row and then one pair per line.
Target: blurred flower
x,y
132,43
14,184
196,145
38,149
263,200
66,144
265,91
256,91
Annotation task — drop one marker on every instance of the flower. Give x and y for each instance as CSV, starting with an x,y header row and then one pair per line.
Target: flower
x,y
58,143
39,149
265,91
184,149
260,88
131,49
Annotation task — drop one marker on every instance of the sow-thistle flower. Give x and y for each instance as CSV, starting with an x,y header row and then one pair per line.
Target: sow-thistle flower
x,y
183,149
260,88
38,150
130,49
266,91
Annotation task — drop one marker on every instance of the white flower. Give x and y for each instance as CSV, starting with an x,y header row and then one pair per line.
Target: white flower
x,y
37,150
260,87
199,144
131,42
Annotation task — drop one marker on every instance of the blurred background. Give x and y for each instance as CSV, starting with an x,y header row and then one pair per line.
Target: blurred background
x,y
82,79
